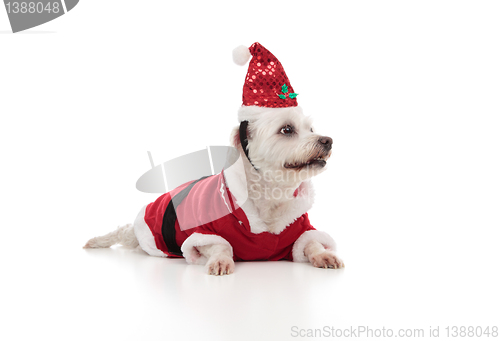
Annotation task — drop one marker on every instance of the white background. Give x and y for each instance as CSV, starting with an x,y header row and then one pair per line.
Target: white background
x,y
409,92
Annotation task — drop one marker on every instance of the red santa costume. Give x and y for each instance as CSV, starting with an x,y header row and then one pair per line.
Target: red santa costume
x,y
215,209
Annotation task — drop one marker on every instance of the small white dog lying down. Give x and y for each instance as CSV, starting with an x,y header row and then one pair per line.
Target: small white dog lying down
x,y
256,209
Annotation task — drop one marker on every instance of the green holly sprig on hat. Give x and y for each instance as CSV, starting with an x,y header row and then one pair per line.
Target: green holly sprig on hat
x,y
284,89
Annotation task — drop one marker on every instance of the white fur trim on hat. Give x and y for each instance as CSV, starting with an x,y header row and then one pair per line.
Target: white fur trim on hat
x,y
190,252
301,243
253,112
241,55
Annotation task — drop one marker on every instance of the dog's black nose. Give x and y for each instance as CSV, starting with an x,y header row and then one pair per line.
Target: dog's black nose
x,y
326,142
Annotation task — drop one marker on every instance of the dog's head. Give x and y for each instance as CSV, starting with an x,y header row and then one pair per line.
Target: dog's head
x,y
283,140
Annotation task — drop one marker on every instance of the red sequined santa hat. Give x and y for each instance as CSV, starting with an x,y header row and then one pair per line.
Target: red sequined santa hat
x,y
266,83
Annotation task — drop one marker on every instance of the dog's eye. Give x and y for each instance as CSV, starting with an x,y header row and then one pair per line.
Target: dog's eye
x,y
287,130
312,130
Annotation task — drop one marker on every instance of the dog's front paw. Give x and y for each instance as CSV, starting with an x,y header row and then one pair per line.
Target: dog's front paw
x,y
220,265
326,259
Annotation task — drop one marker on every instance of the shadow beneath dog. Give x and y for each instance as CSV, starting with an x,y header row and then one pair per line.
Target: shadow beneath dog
x,y
255,293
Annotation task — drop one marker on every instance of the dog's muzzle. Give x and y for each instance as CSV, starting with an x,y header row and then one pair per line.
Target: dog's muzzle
x,y
323,150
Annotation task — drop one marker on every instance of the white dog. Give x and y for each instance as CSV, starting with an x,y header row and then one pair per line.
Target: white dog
x,y
256,209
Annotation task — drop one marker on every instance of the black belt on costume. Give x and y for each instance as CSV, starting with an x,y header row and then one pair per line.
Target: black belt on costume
x,y
170,216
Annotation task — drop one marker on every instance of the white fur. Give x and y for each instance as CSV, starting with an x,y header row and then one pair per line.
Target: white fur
x,y
308,236
122,235
320,257
241,55
220,259
236,181
190,246
270,151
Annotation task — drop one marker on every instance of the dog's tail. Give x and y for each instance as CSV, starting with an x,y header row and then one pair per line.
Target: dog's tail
x,y
123,235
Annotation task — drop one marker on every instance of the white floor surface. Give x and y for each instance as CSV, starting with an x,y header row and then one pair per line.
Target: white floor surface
x,y
124,294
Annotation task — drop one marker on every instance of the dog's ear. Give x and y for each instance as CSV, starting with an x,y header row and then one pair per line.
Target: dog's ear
x,y
235,139
235,136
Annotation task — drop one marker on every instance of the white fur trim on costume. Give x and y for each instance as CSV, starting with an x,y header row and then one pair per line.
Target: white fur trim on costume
x,y
241,55
252,112
190,252
300,244
144,235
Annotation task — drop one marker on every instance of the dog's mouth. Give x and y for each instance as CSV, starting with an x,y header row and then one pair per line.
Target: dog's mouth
x,y
319,161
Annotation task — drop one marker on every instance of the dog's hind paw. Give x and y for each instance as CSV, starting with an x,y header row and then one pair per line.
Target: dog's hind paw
x,y
327,260
220,265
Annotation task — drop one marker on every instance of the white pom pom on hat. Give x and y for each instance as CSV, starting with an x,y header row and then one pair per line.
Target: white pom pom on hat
x,y
241,55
